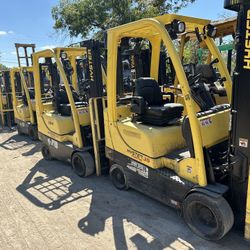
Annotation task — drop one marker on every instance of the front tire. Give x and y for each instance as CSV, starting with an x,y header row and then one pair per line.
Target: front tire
x,y
46,153
19,132
210,218
33,133
118,177
83,164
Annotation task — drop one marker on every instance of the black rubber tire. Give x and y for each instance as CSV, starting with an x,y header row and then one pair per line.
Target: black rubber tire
x,y
118,177
46,153
33,133
19,130
83,164
208,217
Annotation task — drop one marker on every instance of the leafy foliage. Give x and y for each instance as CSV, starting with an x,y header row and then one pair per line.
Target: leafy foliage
x,y
84,17
190,54
3,67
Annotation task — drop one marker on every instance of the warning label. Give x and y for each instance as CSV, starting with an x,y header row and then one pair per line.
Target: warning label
x,y
138,168
243,142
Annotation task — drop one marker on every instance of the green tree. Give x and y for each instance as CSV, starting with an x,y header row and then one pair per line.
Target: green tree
x,y
3,67
84,17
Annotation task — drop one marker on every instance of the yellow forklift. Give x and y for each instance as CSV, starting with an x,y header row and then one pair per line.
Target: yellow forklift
x,y
64,128
23,95
6,107
24,101
190,162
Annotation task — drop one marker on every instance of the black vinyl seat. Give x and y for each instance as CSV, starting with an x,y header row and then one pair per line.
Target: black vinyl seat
x,y
65,108
149,104
31,94
163,115
63,105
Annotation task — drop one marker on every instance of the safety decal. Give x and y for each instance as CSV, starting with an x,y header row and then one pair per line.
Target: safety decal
x,y
82,111
206,122
22,124
243,142
138,168
53,143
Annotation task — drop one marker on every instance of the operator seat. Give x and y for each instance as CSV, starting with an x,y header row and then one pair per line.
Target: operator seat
x,y
148,103
63,105
31,94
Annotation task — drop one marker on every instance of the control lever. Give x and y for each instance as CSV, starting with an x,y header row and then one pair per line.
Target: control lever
x,y
216,60
221,81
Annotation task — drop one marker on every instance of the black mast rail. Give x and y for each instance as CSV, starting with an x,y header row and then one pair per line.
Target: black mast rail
x,y
240,127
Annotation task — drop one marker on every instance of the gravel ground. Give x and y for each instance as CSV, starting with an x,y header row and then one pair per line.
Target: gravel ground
x,y
44,205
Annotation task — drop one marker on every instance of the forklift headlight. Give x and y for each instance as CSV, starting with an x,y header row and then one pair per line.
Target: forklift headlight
x,y
178,26
211,31
64,55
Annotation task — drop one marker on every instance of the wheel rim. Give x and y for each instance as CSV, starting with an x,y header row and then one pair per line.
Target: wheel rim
x,y
118,178
78,166
202,218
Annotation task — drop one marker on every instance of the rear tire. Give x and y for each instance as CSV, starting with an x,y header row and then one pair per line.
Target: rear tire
x,y
83,164
46,153
118,177
210,218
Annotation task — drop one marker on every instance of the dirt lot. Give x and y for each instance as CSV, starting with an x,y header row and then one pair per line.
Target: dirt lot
x,y
44,205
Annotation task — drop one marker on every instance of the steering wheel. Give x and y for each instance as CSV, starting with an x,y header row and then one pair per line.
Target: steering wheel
x,y
48,89
194,79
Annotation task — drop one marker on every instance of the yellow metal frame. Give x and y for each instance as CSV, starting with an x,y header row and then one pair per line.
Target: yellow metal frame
x,y
72,53
25,89
55,53
211,46
153,29
96,130
2,109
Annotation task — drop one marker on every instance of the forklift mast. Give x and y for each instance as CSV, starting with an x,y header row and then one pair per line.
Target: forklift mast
x,y
140,62
94,67
18,85
7,109
26,55
8,90
241,88
7,85
240,136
